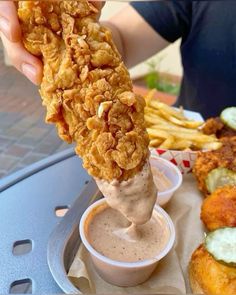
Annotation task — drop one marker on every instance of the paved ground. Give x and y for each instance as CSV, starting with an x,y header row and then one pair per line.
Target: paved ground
x,y
24,137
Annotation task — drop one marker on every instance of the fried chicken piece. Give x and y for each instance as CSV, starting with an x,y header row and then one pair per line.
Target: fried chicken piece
x,y
219,209
207,161
217,127
212,125
209,277
226,132
86,88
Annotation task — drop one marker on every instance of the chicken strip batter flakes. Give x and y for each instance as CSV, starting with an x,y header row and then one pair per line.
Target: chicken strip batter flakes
x,y
86,88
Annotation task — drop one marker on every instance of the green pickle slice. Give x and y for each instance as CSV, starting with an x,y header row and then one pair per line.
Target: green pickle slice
x,y
220,177
228,116
221,244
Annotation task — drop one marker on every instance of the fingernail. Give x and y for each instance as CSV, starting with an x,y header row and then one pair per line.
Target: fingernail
x,y
5,27
29,71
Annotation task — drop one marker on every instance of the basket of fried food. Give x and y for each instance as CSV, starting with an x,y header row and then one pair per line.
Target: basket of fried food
x,y
174,136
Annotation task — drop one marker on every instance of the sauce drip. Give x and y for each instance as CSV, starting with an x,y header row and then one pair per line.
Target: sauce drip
x,y
134,198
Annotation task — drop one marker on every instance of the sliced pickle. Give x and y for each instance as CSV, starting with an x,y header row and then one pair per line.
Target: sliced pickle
x,y
220,177
228,116
221,244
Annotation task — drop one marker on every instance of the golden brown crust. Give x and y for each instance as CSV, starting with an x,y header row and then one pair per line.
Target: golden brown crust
x,y
207,161
212,126
219,209
83,70
217,127
195,287
210,277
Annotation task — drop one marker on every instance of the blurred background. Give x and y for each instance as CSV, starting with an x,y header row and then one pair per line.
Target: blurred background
x,y
25,138
167,61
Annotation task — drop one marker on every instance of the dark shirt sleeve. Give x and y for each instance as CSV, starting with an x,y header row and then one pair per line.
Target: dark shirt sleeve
x,y
171,19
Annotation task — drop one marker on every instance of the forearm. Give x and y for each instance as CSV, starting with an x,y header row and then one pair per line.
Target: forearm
x,y
134,38
117,37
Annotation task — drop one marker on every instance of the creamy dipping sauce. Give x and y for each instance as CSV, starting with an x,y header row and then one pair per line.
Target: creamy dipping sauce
x,y
113,236
134,198
161,181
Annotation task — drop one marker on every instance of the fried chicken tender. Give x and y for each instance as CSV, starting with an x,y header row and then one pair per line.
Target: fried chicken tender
x,y
209,277
86,88
217,127
207,161
219,209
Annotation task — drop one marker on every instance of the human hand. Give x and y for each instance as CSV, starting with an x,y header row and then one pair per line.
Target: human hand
x,y
10,33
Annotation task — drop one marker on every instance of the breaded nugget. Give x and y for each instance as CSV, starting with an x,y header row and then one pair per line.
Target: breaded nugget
x,y
212,126
209,277
207,161
217,127
219,209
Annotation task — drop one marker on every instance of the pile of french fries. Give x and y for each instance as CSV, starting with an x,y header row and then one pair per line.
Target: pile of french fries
x,y
168,128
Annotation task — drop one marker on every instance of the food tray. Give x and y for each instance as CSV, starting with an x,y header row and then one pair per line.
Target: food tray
x,y
30,199
64,241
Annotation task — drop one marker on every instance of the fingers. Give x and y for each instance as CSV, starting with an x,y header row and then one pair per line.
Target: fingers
x,y
9,24
26,63
10,34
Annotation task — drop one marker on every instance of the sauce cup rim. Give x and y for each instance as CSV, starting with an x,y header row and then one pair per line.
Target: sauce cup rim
x,y
176,170
137,264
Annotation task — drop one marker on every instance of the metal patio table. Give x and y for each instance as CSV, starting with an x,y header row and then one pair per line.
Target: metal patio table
x,y
29,199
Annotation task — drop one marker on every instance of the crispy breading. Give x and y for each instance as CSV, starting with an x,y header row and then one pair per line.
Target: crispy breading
x,y
82,71
217,127
212,125
219,209
209,277
207,161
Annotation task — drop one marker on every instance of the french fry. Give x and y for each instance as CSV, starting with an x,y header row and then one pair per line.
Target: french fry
x,y
209,145
155,142
152,111
184,123
154,133
172,119
168,143
164,107
202,138
192,124
168,128
149,96
152,119
182,144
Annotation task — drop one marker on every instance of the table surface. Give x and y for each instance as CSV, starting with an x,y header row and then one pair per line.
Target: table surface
x,y
28,200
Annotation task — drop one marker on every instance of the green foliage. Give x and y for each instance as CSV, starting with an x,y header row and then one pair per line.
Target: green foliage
x,y
154,80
